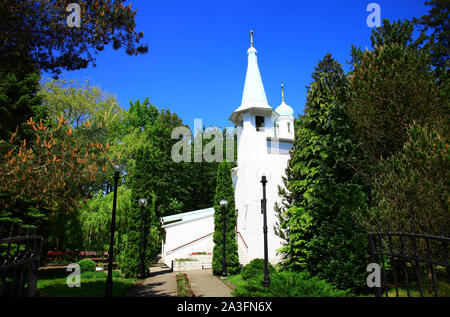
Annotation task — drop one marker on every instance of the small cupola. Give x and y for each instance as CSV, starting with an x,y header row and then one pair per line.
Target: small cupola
x,y
284,109
285,123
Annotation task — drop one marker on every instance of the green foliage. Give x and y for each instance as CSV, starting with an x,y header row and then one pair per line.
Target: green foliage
x,y
40,34
95,219
322,194
434,26
412,188
203,173
254,268
133,128
339,251
50,284
92,274
63,231
392,86
98,274
169,181
141,187
87,265
139,116
288,284
183,286
80,103
225,191
19,100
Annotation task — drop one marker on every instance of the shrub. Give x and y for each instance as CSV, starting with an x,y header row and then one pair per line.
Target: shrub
x,y
184,288
254,268
87,265
288,284
90,274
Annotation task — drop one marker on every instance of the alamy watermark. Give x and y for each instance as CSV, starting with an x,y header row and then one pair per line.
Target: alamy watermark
x,y
374,18
74,18
74,278
374,278
214,150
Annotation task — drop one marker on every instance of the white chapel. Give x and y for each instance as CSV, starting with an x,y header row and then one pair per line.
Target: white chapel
x,y
264,138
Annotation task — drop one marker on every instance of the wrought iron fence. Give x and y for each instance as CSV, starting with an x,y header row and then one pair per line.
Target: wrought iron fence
x,y
19,262
412,264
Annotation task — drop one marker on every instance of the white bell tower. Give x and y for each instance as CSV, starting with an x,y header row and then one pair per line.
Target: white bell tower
x,y
261,151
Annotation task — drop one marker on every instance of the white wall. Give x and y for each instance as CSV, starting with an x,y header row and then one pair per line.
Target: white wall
x,y
182,233
253,158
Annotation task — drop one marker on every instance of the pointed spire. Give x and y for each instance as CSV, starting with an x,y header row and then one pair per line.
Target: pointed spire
x,y
254,95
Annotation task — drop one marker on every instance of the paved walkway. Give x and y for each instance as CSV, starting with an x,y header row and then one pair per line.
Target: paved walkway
x,y
162,282
205,284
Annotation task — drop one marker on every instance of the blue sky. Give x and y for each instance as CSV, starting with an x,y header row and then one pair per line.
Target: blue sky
x,y
197,59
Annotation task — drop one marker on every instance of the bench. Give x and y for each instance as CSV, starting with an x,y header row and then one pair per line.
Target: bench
x,y
54,255
93,255
74,255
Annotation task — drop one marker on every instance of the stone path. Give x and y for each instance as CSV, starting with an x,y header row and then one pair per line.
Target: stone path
x,y
205,284
161,282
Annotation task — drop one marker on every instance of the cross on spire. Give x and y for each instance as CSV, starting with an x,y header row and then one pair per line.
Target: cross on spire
x,y
251,37
282,93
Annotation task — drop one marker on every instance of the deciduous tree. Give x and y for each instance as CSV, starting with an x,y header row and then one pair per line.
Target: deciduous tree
x,y
40,29
56,168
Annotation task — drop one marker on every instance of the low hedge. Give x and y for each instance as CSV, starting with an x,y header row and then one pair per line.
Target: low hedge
x,y
288,284
254,268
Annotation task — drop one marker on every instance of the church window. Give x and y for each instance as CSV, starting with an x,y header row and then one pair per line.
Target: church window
x,y
259,120
289,127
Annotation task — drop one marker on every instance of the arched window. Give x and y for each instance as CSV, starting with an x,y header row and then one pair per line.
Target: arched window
x,y
289,127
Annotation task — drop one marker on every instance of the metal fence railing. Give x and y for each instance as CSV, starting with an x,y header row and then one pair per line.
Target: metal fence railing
x,y
19,263
411,264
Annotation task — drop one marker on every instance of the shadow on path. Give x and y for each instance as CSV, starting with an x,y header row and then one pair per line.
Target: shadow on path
x,y
160,283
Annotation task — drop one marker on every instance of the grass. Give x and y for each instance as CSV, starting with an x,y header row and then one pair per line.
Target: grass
x,y
52,283
443,285
443,290
235,281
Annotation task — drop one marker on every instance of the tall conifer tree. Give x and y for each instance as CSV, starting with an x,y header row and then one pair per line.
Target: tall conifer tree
x,y
225,191
140,188
321,192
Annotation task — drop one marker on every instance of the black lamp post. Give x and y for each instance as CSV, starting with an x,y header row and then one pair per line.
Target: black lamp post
x,y
266,281
141,274
224,204
109,281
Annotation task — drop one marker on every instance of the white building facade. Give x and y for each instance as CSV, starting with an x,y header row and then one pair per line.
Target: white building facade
x,y
264,138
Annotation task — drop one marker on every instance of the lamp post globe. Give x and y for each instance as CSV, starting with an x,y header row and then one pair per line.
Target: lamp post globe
x,y
143,202
141,272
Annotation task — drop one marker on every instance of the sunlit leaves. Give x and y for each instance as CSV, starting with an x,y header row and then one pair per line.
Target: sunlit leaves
x,y
53,169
